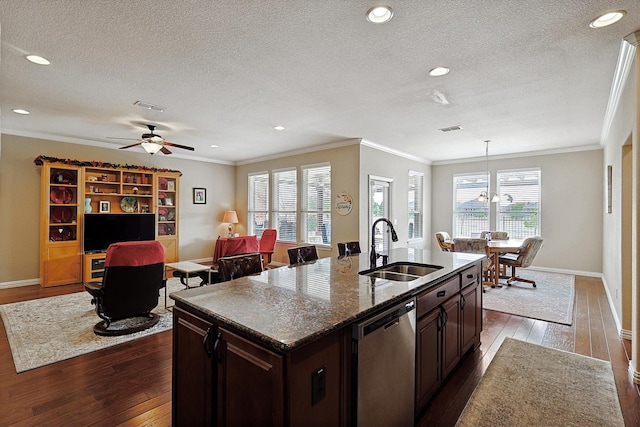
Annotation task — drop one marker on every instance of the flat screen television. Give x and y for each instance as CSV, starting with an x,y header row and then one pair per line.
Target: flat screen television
x,y
101,230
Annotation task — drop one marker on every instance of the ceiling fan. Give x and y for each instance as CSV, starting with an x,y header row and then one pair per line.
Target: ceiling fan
x,y
152,143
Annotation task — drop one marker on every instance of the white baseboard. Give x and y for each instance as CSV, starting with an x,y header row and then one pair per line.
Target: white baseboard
x,y
565,271
18,283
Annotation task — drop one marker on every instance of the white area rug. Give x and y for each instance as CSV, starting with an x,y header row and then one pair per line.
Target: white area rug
x,y
531,385
551,300
48,330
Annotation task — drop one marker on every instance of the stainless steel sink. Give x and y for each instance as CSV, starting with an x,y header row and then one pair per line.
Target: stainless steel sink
x,y
401,271
390,275
411,268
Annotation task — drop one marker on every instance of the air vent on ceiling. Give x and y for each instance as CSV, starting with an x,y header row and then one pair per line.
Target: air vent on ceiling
x,y
451,128
149,106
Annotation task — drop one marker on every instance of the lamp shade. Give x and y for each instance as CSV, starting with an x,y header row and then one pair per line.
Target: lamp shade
x,y
230,217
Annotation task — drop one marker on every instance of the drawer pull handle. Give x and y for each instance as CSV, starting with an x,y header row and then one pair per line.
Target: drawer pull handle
x,y
440,294
469,276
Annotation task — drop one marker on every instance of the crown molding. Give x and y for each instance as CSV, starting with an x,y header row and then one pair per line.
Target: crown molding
x,y
628,48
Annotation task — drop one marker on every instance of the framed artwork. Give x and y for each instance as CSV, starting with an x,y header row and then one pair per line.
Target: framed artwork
x,y
199,196
168,201
171,186
105,207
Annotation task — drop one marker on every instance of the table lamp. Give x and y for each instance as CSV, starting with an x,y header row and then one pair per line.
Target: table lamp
x,y
230,217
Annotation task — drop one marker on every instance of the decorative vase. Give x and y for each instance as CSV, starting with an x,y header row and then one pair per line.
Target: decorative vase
x,y
87,205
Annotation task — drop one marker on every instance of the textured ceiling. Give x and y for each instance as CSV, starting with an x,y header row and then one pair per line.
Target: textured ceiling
x,y
528,75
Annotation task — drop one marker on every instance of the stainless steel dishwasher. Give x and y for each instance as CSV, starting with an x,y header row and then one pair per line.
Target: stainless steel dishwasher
x,y
383,352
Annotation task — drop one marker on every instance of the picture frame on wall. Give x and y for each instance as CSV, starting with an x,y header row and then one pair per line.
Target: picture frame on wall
x,y
105,206
199,196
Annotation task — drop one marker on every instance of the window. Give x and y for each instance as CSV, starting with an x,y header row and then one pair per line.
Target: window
x,y
316,204
258,212
470,216
285,204
416,180
519,209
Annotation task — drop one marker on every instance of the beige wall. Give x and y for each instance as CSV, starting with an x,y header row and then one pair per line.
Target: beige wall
x,y
344,177
382,164
20,199
572,205
615,226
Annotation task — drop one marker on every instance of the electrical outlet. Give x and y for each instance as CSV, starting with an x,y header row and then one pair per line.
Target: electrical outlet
x,y
318,385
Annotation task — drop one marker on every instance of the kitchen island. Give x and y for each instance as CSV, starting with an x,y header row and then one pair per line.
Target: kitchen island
x,y
276,348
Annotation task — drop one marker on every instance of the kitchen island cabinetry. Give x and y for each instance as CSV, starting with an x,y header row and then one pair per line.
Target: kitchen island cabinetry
x,y
277,351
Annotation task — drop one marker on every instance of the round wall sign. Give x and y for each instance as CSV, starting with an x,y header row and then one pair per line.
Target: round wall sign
x,y
343,203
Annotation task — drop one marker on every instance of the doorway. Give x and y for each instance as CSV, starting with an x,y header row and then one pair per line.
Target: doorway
x,y
380,207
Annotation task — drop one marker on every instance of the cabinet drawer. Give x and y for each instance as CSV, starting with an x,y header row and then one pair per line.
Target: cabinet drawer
x,y
97,264
433,297
469,276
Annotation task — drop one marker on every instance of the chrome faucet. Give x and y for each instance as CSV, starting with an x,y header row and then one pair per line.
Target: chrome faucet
x,y
373,257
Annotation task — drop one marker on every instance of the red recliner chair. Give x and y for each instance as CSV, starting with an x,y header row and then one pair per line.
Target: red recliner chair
x,y
133,277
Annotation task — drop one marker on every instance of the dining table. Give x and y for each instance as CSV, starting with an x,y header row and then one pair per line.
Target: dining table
x,y
497,247
494,249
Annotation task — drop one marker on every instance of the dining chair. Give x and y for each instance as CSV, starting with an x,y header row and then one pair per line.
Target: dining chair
x,y
301,254
235,266
476,245
523,259
441,238
495,235
348,248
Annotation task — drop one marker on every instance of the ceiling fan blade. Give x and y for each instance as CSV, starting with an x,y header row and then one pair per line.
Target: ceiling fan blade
x,y
165,150
129,146
184,147
127,139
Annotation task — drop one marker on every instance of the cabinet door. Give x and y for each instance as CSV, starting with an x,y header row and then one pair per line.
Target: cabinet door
x,y
471,316
428,372
250,383
193,386
451,351
61,264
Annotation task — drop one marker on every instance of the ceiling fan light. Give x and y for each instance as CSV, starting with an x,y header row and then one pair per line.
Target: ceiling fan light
x,y
495,198
151,147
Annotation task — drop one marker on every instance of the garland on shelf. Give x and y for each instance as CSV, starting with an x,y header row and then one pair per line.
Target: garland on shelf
x,y
71,162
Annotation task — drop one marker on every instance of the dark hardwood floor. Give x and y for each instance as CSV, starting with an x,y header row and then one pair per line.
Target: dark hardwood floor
x,y
130,384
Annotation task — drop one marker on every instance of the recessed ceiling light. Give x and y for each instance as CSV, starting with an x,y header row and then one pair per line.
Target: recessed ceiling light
x,y
20,111
213,146
279,127
607,19
379,14
439,71
38,59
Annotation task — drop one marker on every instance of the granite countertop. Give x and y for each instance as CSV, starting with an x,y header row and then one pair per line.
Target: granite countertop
x,y
287,307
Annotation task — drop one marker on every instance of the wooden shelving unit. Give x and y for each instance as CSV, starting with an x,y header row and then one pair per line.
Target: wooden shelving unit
x,y
69,193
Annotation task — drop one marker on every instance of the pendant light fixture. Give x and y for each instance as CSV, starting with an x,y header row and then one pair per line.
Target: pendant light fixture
x,y
485,195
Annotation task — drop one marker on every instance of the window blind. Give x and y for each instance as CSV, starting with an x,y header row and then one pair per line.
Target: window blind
x,y
285,198
416,207
519,209
258,206
470,216
316,204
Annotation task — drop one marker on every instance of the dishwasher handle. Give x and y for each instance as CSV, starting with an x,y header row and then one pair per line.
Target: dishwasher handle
x,y
383,319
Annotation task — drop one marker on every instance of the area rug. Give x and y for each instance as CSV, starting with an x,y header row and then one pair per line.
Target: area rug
x,y
47,330
552,299
530,385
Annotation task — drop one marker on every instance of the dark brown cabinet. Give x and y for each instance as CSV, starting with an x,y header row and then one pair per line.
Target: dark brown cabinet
x,y
193,370
250,383
223,376
449,324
